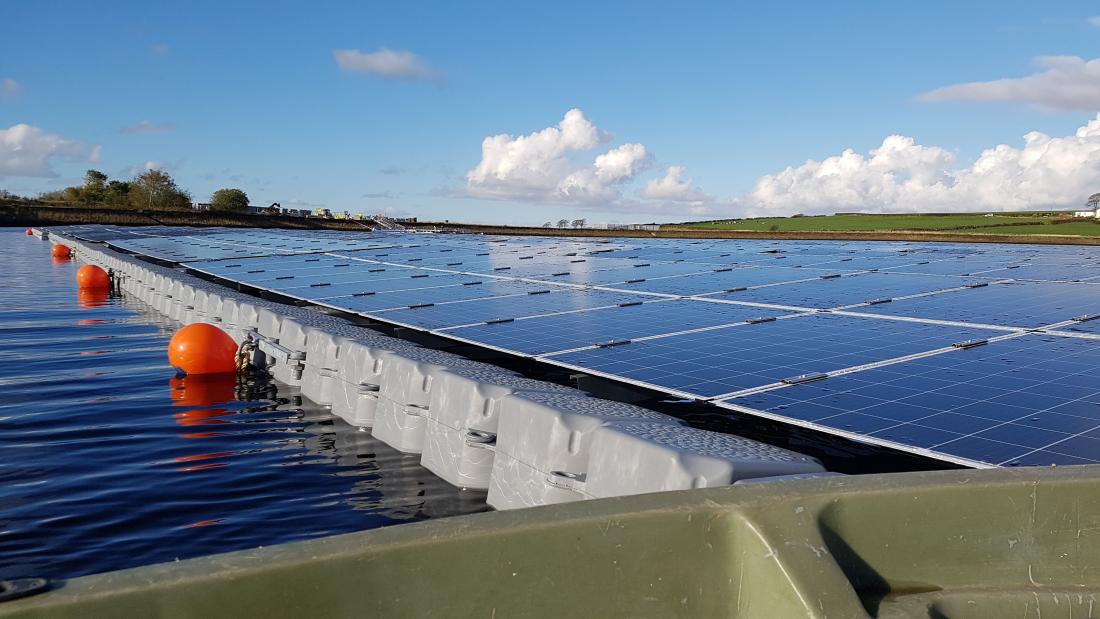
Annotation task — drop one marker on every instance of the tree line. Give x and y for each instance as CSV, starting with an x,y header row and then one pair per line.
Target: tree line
x,y
151,190
565,223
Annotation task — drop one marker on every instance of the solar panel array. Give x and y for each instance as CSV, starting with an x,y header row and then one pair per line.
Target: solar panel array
x,y
978,354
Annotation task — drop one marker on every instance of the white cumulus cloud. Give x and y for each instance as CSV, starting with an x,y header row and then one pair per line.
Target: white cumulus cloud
x,y
10,87
598,183
903,176
545,166
386,63
621,163
1094,21
27,151
673,187
1068,83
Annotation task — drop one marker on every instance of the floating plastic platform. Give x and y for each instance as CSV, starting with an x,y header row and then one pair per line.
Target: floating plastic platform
x,y
478,426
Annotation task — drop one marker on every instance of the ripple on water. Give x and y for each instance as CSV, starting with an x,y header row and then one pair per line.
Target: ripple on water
x,y
108,461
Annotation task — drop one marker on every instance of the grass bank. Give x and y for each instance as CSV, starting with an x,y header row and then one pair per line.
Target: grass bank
x,y
1029,228
695,232
1026,223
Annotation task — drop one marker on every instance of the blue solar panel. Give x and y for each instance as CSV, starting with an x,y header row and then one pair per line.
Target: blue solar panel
x,y
223,245
837,263
353,277
547,334
1088,324
722,279
1066,271
533,301
1016,304
831,291
533,269
415,297
342,278
93,232
233,268
711,363
1028,400
643,270
952,265
362,286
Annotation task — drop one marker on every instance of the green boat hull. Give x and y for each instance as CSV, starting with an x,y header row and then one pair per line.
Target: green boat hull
x,y
992,543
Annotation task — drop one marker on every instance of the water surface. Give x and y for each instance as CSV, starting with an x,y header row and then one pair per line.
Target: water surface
x,y
108,461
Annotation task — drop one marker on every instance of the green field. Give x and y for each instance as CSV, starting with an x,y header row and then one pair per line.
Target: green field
x,y
969,223
1077,228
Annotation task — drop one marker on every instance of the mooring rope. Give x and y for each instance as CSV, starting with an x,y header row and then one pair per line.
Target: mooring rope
x,y
244,355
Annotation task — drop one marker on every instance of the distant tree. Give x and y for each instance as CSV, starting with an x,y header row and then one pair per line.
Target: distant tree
x,y
563,223
94,179
72,194
230,200
578,223
547,225
94,189
118,193
1093,201
157,191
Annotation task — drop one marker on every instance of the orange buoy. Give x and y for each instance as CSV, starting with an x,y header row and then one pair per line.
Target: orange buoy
x,y
202,348
29,232
60,251
91,276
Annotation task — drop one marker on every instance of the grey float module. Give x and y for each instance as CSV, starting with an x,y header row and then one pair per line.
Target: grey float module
x,y
359,377
637,458
408,378
477,425
544,445
462,423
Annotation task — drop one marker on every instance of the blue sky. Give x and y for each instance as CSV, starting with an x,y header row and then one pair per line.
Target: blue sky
x,y
251,95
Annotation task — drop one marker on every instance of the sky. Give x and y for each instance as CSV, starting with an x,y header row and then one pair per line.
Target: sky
x,y
521,113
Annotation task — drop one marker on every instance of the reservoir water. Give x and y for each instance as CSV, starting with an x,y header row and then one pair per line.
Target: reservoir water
x,y
108,461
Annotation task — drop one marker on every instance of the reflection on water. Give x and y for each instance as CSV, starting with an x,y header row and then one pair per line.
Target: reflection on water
x,y
89,298
107,460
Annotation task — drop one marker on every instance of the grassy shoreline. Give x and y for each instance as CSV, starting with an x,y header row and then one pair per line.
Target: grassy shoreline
x,y
1022,231
1030,223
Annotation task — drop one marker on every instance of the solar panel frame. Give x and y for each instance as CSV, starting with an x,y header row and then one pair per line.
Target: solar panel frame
x,y
1009,303
1015,401
1026,287
827,291
714,363
549,334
